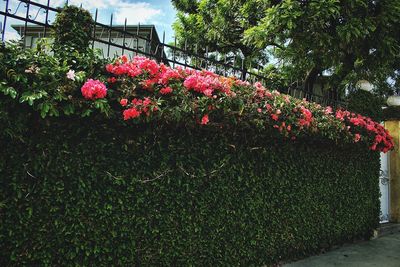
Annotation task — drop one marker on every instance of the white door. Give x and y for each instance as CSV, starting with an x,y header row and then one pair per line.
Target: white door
x,y
384,187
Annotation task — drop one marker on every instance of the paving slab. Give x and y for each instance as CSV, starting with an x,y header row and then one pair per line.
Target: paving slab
x,y
380,252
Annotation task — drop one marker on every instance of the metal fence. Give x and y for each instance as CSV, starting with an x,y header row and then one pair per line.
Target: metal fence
x,y
138,40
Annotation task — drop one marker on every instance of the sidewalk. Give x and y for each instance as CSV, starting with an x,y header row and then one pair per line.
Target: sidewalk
x,y
381,252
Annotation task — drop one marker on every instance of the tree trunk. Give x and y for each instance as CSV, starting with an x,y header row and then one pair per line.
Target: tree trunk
x,y
310,80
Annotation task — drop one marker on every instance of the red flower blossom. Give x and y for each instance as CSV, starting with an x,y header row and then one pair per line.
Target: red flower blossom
x,y
204,119
166,90
307,117
131,113
357,137
124,58
123,102
111,80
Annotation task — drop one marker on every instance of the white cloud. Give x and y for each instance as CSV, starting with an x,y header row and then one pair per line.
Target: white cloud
x,y
135,12
101,4
138,12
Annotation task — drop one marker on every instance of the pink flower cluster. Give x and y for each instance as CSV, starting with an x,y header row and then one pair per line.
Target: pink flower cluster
x,y
306,117
208,83
94,89
156,74
159,78
123,67
143,79
382,141
138,107
293,116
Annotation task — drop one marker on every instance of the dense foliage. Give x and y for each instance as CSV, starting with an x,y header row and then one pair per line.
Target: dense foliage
x,y
220,26
90,192
45,81
72,29
135,163
346,41
366,103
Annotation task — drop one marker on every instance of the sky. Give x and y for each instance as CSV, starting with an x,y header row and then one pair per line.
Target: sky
x,y
158,12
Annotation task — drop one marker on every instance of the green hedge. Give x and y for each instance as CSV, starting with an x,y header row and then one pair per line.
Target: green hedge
x,y
81,192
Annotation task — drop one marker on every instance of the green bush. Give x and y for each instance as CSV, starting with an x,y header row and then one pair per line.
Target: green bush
x,y
72,29
366,104
86,192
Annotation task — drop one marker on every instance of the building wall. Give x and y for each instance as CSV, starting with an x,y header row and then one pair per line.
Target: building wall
x,y
131,43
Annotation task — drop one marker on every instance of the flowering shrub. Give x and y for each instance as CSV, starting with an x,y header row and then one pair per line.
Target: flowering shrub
x,y
381,140
148,91
149,88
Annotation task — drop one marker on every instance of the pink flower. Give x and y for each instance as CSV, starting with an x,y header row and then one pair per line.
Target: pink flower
x,y
268,94
123,102
208,92
166,90
205,119
148,84
328,110
109,68
146,101
146,64
307,117
94,89
259,110
131,113
71,75
111,80
124,58
169,74
357,137
207,83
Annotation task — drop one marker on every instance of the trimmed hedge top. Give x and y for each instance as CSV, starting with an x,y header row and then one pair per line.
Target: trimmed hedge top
x,y
85,192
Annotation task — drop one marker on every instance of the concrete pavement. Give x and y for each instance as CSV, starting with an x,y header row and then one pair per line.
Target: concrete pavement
x,y
380,252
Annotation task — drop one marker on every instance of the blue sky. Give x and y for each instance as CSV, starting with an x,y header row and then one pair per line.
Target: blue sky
x,y
158,12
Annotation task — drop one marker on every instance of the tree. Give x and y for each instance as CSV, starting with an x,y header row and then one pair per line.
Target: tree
x,y
219,25
344,40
